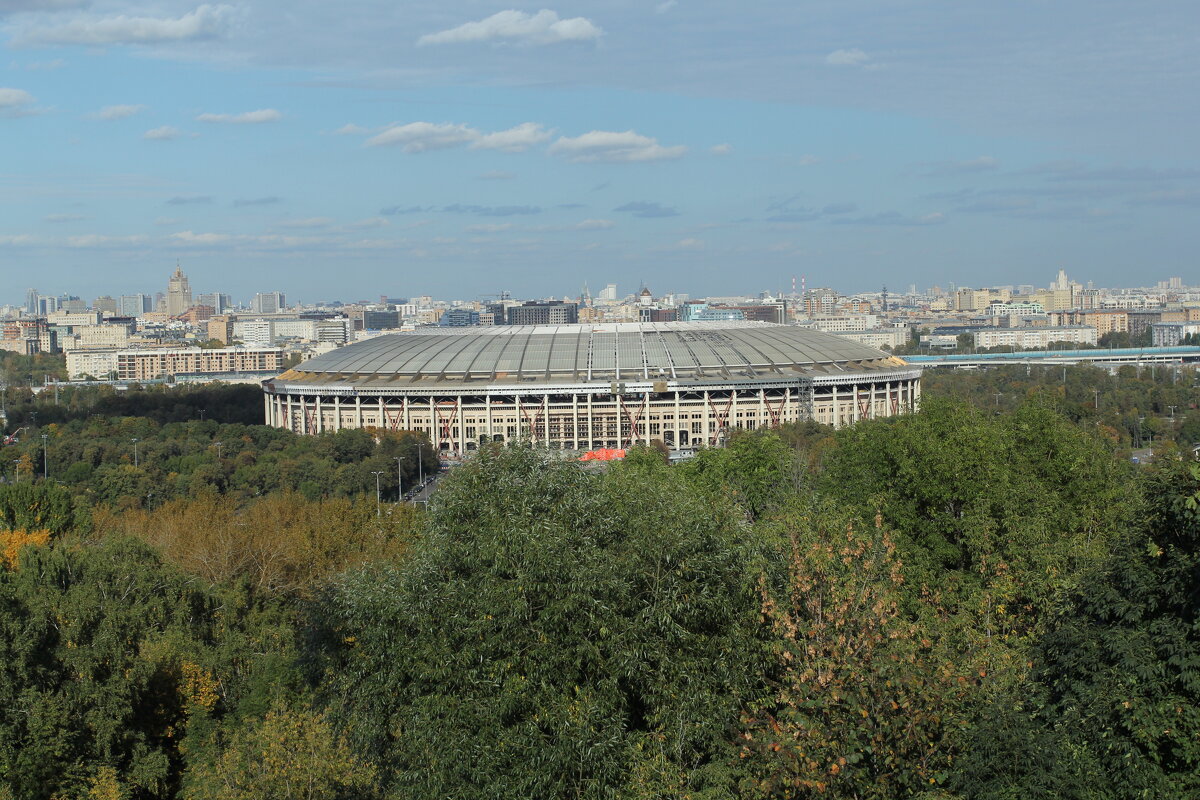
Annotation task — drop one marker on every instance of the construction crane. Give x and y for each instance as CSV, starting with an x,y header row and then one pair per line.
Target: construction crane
x,y
13,437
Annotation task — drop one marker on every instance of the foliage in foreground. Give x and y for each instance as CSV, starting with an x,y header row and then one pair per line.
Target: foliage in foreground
x,y
958,604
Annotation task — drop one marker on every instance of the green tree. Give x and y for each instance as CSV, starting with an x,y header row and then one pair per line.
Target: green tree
x,y
112,666
287,755
556,633
1113,710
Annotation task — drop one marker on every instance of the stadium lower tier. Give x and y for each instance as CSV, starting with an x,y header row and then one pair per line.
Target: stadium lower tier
x,y
590,416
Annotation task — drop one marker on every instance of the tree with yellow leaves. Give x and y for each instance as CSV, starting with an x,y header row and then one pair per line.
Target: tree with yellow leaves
x,y
287,755
862,701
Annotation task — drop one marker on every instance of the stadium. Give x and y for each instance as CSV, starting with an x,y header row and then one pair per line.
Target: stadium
x,y
580,387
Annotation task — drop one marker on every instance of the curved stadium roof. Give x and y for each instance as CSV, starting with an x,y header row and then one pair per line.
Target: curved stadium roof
x,y
686,351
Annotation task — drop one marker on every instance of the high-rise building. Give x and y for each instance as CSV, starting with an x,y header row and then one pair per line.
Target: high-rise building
x,y
46,306
179,294
609,293
268,303
105,305
220,303
134,305
31,302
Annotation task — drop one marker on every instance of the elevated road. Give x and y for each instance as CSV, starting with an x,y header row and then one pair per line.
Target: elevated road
x,y
1111,358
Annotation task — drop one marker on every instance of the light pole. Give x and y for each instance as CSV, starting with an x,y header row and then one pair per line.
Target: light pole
x,y
399,480
16,470
218,446
45,457
378,510
420,464
135,452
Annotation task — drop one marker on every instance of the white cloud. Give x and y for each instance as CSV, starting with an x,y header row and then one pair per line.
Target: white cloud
x,y
14,100
117,112
847,58
417,137
497,175
39,66
665,6
187,237
164,134
689,244
614,147
310,222
245,118
721,149
367,224
544,27
205,22
16,239
350,129
513,140
594,225
489,227
96,240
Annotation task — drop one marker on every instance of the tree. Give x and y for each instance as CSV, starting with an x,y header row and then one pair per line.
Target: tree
x,y
864,703
556,633
287,755
113,667
1114,705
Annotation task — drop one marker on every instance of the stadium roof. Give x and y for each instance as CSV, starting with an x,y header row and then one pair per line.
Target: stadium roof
x,y
671,351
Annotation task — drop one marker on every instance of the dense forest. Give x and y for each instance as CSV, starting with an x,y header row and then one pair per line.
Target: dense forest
x,y
987,599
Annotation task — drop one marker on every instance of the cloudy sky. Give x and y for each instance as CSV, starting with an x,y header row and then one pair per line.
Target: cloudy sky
x,y
463,147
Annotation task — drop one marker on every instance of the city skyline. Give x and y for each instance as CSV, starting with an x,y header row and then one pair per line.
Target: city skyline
x,y
685,145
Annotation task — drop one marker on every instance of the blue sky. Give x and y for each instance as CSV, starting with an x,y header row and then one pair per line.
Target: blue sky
x,y
348,150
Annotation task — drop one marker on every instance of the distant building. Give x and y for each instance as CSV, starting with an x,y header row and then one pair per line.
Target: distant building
x,y
658,314
381,320
843,323
179,294
459,318
220,328
141,365
220,303
555,312
1172,334
1033,338
268,303
1014,308
879,337
106,305
31,302
135,305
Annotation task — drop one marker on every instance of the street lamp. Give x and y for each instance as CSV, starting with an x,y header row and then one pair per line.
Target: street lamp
x,y
45,456
399,480
218,446
420,464
16,470
135,452
378,510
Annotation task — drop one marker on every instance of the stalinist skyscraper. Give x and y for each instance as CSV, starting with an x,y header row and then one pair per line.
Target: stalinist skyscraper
x,y
179,293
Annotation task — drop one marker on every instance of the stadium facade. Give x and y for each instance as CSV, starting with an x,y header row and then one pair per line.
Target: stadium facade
x,y
589,386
